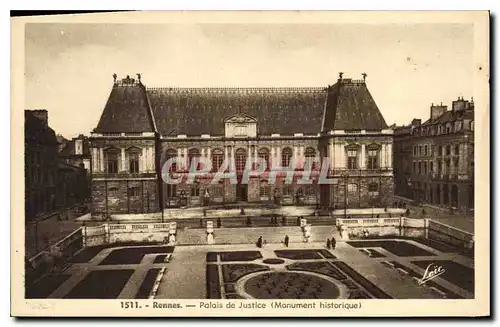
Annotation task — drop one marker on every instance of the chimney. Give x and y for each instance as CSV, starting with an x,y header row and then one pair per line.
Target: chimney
x,y
437,110
42,115
78,147
461,104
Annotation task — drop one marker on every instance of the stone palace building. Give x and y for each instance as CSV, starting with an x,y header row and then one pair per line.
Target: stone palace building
x,y
141,128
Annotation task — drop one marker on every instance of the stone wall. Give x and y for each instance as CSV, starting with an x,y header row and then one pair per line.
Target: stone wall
x,y
361,197
123,196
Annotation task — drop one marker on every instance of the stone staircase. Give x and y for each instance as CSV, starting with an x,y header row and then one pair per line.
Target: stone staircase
x,y
321,233
250,235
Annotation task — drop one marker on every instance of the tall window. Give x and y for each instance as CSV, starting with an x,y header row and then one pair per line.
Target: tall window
x,y
440,167
425,167
414,150
264,189
457,149
420,168
241,159
372,158
425,150
133,162
414,166
419,150
309,190
440,151
455,166
448,150
310,157
287,190
171,190
286,157
195,189
373,189
111,159
352,159
217,159
133,191
264,156
172,154
431,169
193,155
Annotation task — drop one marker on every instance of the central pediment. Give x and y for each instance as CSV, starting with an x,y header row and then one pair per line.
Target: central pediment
x,y
240,118
240,125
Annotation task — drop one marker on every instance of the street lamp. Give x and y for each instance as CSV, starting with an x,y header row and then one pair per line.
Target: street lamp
x,y
345,176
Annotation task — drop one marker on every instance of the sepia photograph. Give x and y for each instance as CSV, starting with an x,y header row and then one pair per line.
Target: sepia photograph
x,y
252,164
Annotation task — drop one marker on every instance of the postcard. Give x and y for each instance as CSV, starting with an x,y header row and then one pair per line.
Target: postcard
x,y
251,164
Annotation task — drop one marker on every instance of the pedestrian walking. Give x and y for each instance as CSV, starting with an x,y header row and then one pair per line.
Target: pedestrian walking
x,y
328,243
219,223
283,220
333,243
286,240
259,242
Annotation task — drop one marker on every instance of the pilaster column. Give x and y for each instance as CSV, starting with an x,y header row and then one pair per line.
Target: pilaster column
x,y
278,156
179,155
233,162
226,153
296,156
255,153
362,164
101,159
123,166
143,166
273,157
95,162
383,156
186,159
389,155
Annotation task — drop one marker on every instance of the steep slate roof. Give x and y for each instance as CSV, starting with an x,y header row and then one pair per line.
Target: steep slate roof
x,y
450,116
69,149
193,111
350,106
347,105
127,110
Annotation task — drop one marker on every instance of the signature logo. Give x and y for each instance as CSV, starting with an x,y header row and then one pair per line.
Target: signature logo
x,y
432,271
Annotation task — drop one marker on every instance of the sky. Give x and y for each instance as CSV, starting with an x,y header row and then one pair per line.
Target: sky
x,y
69,67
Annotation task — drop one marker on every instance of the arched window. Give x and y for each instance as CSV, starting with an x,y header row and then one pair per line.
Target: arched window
x,y
111,157
241,159
310,158
217,159
263,154
193,156
286,157
171,155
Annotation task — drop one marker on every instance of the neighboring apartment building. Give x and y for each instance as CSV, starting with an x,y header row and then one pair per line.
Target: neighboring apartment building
x,y
434,160
50,184
141,128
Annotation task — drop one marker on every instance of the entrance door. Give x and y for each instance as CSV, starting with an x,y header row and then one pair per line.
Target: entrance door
x,y
241,192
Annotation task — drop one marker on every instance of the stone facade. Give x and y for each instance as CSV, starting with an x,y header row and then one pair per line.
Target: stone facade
x,y
434,160
290,129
